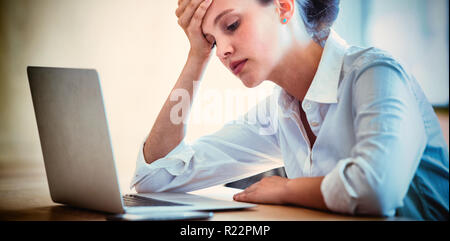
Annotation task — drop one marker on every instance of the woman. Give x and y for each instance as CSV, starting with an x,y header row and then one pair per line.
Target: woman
x,y
354,131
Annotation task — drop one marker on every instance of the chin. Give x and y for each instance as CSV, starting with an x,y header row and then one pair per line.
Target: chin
x,y
250,82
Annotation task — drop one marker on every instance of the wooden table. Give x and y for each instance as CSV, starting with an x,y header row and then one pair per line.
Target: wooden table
x,y
25,196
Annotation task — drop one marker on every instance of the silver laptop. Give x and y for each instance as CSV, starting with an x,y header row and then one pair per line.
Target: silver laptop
x,y
77,151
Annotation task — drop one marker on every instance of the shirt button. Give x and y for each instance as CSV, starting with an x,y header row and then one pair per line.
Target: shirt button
x,y
315,124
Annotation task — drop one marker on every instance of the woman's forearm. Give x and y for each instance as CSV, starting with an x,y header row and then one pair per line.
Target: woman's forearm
x,y
170,125
305,191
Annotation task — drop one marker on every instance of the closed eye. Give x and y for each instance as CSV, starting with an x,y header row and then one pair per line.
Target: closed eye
x,y
233,26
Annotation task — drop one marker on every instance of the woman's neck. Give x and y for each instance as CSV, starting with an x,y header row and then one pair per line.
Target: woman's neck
x,y
298,68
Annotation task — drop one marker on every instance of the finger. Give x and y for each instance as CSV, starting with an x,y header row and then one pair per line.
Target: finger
x,y
186,16
186,11
241,197
182,4
252,188
246,197
197,18
180,8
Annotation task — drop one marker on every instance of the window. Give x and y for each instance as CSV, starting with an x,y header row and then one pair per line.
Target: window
x,y
414,31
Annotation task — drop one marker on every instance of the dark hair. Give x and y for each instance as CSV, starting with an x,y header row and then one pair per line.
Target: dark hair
x,y
316,14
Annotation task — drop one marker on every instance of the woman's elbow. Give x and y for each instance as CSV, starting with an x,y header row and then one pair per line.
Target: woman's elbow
x,y
378,201
158,182
140,188
144,187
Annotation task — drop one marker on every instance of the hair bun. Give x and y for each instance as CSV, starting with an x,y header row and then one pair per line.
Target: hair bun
x,y
318,14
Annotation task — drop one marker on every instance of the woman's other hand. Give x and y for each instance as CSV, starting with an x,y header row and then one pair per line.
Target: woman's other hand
x,y
301,191
270,190
190,15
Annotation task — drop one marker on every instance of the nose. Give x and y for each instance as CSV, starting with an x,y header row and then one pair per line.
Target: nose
x,y
224,49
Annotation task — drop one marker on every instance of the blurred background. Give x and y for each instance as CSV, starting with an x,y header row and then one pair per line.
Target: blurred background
x,y
139,51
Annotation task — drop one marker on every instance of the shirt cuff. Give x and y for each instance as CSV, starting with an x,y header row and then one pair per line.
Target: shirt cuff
x,y
174,163
338,195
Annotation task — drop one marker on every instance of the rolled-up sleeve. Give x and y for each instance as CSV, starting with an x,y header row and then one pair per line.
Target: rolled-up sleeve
x,y
236,151
163,170
390,139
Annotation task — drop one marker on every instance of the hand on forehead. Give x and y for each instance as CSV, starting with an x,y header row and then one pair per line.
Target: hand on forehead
x,y
219,6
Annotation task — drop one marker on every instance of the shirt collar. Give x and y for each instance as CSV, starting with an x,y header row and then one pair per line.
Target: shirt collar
x,y
324,87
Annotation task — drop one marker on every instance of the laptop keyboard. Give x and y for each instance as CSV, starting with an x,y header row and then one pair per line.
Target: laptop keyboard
x,y
138,201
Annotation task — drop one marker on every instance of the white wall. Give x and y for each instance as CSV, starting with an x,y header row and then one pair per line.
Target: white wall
x,y
136,46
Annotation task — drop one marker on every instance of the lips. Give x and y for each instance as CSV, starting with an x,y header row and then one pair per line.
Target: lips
x,y
237,66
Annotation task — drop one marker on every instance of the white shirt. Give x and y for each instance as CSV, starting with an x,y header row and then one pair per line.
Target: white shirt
x,y
370,119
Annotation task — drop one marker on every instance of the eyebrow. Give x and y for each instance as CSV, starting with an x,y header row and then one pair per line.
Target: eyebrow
x,y
221,15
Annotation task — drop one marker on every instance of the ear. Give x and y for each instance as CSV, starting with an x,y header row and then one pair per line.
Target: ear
x,y
285,10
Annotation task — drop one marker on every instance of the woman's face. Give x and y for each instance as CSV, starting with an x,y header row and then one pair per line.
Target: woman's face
x,y
247,37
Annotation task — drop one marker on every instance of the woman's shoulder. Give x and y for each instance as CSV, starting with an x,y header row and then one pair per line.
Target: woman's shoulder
x,y
358,58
